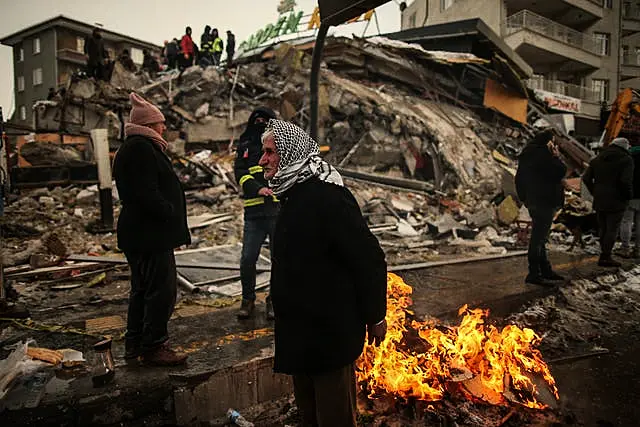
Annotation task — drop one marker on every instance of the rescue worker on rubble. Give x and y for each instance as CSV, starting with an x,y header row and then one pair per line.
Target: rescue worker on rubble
x,y
217,47
231,48
152,223
328,278
125,60
187,49
260,208
609,178
97,55
206,48
150,64
540,186
172,53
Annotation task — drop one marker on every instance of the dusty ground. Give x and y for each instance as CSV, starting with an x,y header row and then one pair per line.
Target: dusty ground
x,y
595,391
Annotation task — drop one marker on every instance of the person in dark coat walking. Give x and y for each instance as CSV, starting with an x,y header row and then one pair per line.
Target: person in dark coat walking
x,y
152,223
632,214
609,178
97,55
260,207
231,48
328,278
539,183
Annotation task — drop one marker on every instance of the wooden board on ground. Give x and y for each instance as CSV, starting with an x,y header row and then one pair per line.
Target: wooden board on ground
x,y
226,254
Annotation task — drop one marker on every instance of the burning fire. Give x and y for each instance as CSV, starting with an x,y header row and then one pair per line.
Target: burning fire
x,y
419,359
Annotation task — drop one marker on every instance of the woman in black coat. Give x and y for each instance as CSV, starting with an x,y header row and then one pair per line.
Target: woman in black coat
x,y
152,223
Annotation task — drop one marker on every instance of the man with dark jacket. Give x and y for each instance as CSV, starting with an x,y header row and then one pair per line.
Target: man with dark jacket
x,y
150,64
260,207
609,178
539,183
632,214
206,48
172,53
152,223
97,55
231,48
328,278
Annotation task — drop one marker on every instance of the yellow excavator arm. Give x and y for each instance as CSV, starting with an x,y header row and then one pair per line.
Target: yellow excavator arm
x,y
623,107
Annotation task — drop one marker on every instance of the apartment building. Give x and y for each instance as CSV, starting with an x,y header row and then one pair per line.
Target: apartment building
x,y
582,52
45,56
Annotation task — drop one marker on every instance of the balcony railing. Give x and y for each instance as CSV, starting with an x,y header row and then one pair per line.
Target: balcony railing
x,y
567,89
526,19
631,59
630,11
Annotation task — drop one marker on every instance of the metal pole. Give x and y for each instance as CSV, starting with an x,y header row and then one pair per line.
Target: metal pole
x,y
315,78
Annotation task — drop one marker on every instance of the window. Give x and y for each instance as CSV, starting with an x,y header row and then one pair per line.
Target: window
x,y
136,55
603,43
601,87
624,54
111,53
412,20
636,60
446,4
37,76
20,83
608,4
23,112
20,55
80,44
36,45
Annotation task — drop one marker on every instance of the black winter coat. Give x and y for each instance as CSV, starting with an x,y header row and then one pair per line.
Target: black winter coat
x,y
539,177
328,279
94,49
609,178
635,154
154,215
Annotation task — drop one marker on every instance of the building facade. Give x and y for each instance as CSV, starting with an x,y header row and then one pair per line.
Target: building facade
x,y
46,55
583,52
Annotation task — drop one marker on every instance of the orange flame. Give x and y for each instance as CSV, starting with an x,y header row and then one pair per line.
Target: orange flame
x,y
418,359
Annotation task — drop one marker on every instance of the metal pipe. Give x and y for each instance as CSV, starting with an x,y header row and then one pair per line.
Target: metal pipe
x,y
315,78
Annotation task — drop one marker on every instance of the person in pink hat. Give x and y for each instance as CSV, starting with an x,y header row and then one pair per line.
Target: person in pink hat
x,y
152,223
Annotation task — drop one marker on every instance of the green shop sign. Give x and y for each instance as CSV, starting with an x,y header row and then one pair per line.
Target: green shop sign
x,y
284,25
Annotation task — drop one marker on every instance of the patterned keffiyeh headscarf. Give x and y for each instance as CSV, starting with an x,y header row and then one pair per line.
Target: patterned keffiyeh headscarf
x,y
299,158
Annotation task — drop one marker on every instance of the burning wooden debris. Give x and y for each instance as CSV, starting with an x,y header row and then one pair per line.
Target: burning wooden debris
x,y
423,361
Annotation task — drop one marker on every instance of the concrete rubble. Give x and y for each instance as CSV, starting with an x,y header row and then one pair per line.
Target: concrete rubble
x,y
432,175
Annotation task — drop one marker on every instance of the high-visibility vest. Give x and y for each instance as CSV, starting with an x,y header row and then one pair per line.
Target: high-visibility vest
x,y
208,46
217,45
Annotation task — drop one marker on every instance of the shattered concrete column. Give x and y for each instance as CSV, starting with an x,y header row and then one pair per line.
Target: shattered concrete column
x,y
100,140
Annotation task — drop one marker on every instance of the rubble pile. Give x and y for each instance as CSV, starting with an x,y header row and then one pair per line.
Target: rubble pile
x,y
581,314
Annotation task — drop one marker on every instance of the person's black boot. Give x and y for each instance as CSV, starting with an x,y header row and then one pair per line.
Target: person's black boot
x,y
246,309
607,261
552,275
533,279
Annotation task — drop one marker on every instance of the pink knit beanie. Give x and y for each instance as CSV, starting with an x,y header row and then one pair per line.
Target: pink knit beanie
x,y
143,112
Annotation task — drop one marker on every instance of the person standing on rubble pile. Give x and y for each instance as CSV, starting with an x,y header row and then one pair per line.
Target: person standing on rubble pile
x,y
260,207
152,223
172,54
231,48
218,47
609,179
206,48
150,64
97,55
328,278
632,214
187,49
126,61
540,186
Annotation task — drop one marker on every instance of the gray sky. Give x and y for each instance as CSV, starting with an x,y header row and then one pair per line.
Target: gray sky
x,y
156,21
